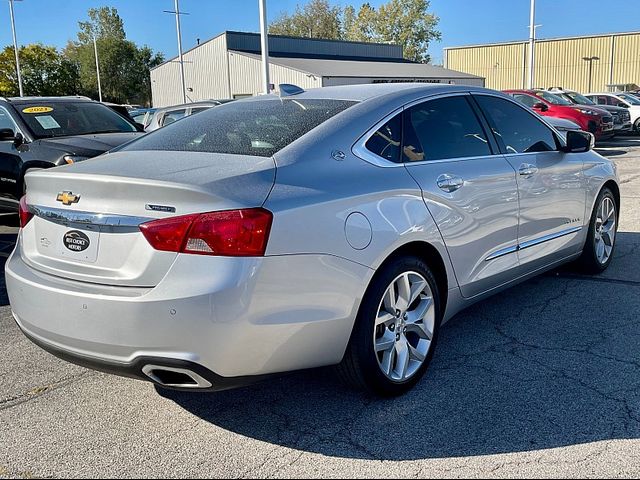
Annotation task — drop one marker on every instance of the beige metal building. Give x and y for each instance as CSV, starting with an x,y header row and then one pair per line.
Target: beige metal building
x,y
559,62
229,66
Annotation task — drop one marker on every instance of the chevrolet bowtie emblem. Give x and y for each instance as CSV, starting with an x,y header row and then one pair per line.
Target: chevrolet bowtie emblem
x,y
67,198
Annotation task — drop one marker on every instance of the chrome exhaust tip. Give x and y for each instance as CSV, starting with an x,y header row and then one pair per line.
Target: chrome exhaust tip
x,y
175,377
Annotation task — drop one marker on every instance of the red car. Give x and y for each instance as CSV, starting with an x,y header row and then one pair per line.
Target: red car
x,y
590,118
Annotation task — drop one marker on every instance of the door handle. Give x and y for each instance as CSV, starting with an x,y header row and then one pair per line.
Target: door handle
x,y
449,183
527,170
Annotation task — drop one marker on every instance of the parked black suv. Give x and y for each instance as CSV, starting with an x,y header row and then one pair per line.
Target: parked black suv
x,y
43,132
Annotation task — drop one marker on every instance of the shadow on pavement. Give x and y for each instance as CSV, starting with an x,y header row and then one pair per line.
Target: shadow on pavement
x,y
549,363
610,153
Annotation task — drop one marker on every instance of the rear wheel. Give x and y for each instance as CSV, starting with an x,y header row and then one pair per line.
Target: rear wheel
x,y
601,238
396,329
636,126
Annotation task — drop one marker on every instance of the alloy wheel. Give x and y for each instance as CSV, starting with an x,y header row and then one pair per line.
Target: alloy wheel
x,y
404,326
605,229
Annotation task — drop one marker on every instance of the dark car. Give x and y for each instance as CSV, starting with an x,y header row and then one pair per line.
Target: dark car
x,y
43,132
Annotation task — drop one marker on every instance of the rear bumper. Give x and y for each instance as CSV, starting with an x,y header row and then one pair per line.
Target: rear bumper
x,y
224,318
135,369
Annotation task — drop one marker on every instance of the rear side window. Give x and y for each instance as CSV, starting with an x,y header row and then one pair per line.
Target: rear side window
x,y
527,100
173,116
515,128
385,142
261,127
442,129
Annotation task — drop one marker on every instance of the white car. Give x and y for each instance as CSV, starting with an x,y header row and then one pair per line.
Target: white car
x,y
620,99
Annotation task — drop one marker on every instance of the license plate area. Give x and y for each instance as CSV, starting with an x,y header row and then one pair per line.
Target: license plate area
x,y
73,243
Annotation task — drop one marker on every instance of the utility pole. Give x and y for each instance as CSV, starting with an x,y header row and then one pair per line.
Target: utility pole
x,y
177,13
15,47
264,45
590,60
532,42
95,49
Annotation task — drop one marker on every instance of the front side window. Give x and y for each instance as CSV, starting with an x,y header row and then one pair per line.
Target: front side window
x,y
385,142
255,127
6,121
62,119
518,130
442,129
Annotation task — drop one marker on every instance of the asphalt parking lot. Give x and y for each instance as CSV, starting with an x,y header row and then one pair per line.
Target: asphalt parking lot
x,y
541,380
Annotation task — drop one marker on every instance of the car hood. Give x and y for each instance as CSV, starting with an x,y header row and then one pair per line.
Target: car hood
x,y
598,109
89,145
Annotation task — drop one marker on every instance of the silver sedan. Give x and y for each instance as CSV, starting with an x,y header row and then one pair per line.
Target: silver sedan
x,y
338,226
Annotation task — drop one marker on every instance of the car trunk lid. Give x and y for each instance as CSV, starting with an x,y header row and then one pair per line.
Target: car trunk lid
x,y
87,215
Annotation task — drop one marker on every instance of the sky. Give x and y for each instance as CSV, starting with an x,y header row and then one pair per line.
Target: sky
x,y
462,22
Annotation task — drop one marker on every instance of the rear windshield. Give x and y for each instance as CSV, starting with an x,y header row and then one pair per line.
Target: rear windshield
x,y
62,119
257,127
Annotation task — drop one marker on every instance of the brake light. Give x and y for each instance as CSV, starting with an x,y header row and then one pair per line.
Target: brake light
x,y
235,233
25,214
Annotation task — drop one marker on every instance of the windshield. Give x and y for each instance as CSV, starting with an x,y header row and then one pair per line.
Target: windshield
x,y
551,98
257,127
63,119
580,99
629,98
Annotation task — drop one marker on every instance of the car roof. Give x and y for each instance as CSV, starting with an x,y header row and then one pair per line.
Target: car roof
x,y
199,103
361,93
21,100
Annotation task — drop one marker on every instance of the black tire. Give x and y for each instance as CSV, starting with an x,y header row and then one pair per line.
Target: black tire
x,y
636,127
359,367
588,262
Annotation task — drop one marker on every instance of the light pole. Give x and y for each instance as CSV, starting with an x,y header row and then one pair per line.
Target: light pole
x,y
15,47
177,12
590,60
532,41
95,49
264,46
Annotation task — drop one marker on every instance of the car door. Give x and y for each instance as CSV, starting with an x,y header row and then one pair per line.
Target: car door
x,y
10,161
551,185
469,188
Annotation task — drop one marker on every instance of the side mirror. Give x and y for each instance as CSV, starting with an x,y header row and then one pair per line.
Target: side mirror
x,y
8,135
579,141
541,106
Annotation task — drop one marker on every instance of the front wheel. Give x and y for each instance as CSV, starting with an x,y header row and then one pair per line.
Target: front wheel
x,y
601,237
396,329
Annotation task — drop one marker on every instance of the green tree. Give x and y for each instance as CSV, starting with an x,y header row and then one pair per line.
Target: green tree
x,y
44,72
360,27
405,22
316,19
124,67
408,23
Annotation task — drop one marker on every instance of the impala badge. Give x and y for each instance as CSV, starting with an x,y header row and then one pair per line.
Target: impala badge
x,y
67,198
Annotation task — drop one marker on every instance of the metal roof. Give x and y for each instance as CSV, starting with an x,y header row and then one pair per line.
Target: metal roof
x,y
540,40
359,68
287,46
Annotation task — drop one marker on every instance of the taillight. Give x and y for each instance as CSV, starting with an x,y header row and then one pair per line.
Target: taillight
x,y
25,214
234,233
